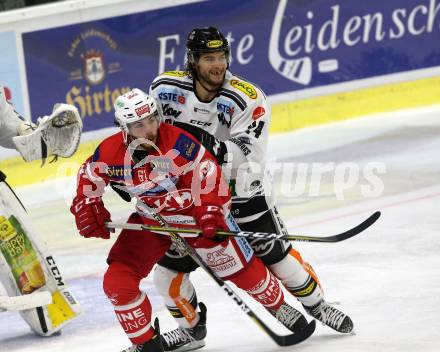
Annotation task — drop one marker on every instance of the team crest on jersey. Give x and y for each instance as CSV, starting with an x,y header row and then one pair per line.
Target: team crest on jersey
x,y
245,87
150,187
174,73
177,200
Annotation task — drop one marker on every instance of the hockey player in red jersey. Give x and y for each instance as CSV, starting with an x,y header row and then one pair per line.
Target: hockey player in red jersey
x,y
231,117
172,174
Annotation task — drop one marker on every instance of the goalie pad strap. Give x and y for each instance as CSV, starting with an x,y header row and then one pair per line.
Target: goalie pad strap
x,y
42,320
43,149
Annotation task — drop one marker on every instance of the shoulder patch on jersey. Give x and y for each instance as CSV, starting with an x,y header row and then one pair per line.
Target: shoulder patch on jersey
x,y
186,147
245,87
174,73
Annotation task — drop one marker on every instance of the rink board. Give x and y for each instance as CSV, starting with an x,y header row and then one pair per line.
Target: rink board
x,y
302,49
320,61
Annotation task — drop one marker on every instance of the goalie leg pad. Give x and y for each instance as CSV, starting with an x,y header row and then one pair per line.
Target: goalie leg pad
x,y
47,320
26,267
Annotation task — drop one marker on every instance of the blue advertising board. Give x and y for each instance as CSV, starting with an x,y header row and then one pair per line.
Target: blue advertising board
x,y
283,46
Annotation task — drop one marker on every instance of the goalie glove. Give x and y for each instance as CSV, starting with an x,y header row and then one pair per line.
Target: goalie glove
x,y
58,135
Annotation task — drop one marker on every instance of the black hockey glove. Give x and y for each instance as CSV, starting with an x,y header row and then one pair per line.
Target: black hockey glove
x,y
212,144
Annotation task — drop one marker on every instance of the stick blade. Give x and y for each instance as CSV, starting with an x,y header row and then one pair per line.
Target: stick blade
x,y
357,229
300,336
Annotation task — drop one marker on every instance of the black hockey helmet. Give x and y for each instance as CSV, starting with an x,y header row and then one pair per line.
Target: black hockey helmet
x,y
205,40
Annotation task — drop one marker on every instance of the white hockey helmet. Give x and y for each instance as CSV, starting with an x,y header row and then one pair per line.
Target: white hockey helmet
x,y
134,106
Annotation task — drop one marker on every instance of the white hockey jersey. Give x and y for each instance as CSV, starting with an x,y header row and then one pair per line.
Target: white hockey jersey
x,y
239,115
9,121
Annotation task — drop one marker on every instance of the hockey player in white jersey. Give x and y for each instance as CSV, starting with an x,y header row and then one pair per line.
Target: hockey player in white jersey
x,y
28,272
231,117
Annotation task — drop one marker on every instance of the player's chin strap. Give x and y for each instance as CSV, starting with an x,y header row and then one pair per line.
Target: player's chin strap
x,y
185,232
58,135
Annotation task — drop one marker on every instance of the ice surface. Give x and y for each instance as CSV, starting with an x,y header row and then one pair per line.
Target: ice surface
x,y
387,279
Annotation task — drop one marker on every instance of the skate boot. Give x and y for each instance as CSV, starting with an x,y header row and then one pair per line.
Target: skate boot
x,y
291,318
186,339
330,316
154,345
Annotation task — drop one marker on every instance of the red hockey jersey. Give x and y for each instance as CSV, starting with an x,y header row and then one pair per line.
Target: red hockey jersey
x,y
172,180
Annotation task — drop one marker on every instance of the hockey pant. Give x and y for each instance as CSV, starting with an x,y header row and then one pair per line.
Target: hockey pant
x,y
172,275
27,267
136,252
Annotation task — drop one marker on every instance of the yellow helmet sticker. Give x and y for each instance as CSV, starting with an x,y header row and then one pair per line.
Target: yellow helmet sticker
x,y
246,88
174,73
214,43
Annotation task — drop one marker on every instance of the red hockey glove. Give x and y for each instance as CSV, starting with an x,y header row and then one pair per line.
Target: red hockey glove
x,y
210,219
90,216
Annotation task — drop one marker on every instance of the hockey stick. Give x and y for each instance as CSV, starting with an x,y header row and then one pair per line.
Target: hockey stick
x,y
254,235
33,300
281,340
